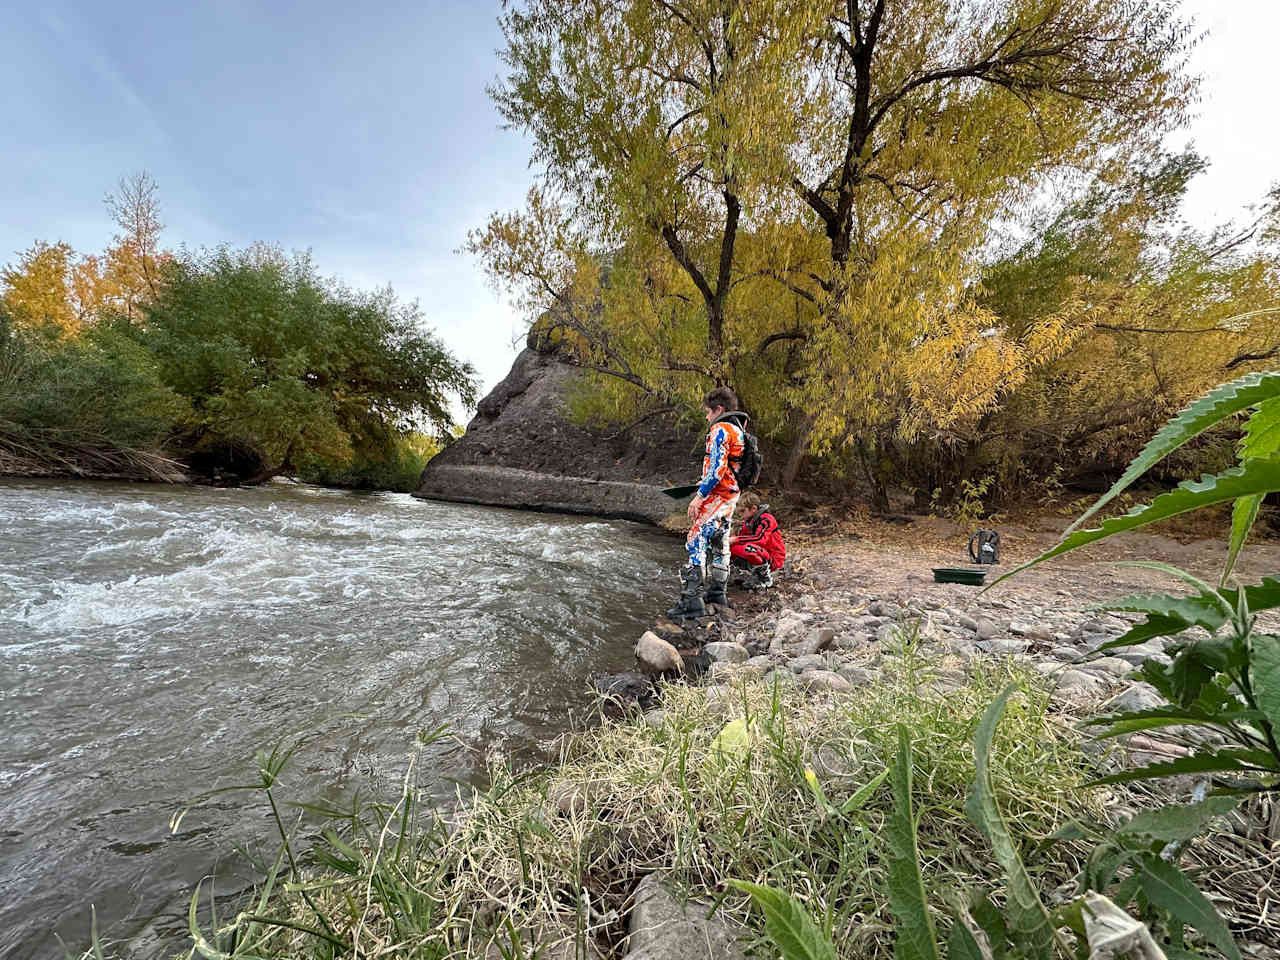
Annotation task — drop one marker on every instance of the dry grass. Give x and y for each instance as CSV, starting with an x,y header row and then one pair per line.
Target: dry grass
x,y
553,857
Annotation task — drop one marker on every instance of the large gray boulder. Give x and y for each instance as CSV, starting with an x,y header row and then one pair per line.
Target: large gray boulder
x,y
522,450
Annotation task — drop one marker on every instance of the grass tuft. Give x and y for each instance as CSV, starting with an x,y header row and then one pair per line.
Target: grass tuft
x,y
550,859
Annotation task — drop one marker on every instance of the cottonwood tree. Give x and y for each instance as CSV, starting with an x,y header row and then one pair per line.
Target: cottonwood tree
x,y
852,155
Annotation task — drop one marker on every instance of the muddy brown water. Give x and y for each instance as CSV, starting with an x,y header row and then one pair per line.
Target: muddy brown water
x,y
152,638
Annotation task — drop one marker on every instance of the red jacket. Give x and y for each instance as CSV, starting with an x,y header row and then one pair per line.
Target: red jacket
x,y
762,530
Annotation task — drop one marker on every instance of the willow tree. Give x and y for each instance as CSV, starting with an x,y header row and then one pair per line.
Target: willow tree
x,y
850,156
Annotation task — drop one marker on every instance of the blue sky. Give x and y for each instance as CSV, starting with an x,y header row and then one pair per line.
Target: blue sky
x,y
363,132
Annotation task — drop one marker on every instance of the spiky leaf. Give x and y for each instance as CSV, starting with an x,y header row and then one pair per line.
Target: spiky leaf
x,y
1262,431
1169,889
1243,515
1214,407
916,937
1201,611
864,793
788,923
1156,625
1028,920
1177,821
1264,667
1255,476
1223,761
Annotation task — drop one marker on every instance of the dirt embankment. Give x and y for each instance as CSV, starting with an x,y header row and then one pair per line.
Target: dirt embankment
x,y
522,450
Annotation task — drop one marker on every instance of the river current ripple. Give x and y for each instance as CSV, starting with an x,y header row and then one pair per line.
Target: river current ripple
x,y
152,638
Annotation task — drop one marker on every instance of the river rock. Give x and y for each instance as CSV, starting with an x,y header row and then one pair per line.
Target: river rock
x,y
1077,687
964,620
1141,696
824,680
623,691
1109,667
1003,646
885,608
857,676
1034,631
1066,654
656,655
985,629
819,640
1141,653
789,626
727,651
663,929
811,661
886,631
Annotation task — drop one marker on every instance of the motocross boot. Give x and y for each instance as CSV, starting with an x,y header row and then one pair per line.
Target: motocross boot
x,y
690,604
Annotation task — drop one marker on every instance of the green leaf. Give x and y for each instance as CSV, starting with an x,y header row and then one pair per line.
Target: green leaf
x,y
733,742
1190,673
1250,390
1199,611
1264,669
1169,889
1029,923
1125,723
1255,476
963,944
916,937
1258,596
1235,761
1262,432
788,923
1176,821
864,793
1156,625
1243,515
819,795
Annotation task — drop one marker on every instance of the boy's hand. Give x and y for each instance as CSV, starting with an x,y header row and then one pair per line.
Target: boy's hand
x,y
694,506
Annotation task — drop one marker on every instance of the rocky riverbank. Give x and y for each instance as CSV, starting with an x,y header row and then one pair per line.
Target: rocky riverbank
x,y
843,601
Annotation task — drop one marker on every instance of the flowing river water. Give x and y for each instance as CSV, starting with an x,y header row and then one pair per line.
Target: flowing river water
x,y
152,638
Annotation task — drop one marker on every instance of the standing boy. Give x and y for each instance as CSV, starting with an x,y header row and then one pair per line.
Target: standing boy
x,y
711,509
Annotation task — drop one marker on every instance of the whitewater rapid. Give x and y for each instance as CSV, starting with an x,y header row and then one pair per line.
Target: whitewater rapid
x,y
152,638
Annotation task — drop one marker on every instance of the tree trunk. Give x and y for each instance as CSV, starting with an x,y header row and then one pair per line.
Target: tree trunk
x,y
799,446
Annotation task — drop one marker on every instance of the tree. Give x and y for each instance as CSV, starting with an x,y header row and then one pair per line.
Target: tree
x,y
282,367
134,261
852,156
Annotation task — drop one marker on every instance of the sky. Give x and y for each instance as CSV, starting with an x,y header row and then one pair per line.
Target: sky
x,y
363,133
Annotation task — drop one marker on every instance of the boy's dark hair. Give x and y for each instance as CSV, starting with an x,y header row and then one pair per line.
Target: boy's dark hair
x,y
721,397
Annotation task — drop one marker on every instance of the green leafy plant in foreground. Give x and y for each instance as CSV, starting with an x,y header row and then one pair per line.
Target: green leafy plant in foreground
x,y
1224,676
1086,926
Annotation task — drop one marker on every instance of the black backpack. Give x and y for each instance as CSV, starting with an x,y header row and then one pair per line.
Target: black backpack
x,y
746,469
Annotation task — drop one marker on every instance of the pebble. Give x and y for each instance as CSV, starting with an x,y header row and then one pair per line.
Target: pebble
x,y
986,629
964,620
885,631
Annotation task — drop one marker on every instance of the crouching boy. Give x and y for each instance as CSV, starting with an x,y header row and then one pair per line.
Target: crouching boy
x,y
711,509
758,546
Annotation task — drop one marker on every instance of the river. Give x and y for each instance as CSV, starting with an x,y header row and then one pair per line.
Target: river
x,y
152,638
